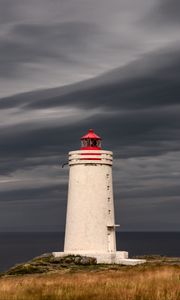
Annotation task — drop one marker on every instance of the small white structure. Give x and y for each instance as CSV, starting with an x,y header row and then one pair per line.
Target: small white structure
x,y
90,223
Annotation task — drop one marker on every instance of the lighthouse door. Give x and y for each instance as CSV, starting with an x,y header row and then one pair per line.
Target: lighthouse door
x,y
110,242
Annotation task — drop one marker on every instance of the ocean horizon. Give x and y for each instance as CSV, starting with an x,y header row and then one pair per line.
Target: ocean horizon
x,y
18,247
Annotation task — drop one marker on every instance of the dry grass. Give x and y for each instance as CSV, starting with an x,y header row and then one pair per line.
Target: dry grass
x,y
159,283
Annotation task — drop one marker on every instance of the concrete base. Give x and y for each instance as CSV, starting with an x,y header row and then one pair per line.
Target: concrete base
x,y
118,257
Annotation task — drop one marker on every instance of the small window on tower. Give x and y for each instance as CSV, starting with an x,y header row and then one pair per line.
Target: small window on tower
x,y
83,143
99,143
93,143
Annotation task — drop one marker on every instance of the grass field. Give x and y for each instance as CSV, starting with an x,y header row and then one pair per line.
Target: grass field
x,y
129,283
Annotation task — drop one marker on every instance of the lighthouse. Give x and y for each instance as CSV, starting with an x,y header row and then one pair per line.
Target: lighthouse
x,y
90,221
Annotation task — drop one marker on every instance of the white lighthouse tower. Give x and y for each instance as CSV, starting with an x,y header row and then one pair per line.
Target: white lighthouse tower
x,y
90,222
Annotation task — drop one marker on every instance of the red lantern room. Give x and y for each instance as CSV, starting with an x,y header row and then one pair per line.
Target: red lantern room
x,y
90,141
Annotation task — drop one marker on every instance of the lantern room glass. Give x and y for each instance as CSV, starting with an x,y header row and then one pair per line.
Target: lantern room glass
x,y
93,143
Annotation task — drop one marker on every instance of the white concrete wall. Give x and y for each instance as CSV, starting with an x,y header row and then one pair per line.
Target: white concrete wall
x,y
90,208
120,257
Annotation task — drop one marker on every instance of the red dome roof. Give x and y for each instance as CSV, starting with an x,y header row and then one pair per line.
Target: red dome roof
x,y
91,135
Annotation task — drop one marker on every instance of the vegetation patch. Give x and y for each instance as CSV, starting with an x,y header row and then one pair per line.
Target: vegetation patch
x,y
49,263
159,283
76,277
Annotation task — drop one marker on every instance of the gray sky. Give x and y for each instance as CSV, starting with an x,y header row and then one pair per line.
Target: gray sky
x,y
69,65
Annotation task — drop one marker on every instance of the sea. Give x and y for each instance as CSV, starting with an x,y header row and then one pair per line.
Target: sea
x,y
22,246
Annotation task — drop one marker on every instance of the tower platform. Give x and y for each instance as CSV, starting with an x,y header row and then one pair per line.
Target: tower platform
x,y
118,257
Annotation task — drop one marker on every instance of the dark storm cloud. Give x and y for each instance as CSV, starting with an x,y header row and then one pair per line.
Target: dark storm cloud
x,y
142,109
147,88
140,113
153,214
54,43
150,81
33,43
169,11
34,194
147,129
10,164
29,209
167,191
164,12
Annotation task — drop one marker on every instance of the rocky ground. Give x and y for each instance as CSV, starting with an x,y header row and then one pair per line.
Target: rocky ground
x,y
47,263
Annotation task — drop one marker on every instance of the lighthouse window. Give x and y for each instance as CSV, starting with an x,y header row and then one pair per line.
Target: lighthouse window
x,y
85,143
99,143
93,143
90,143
